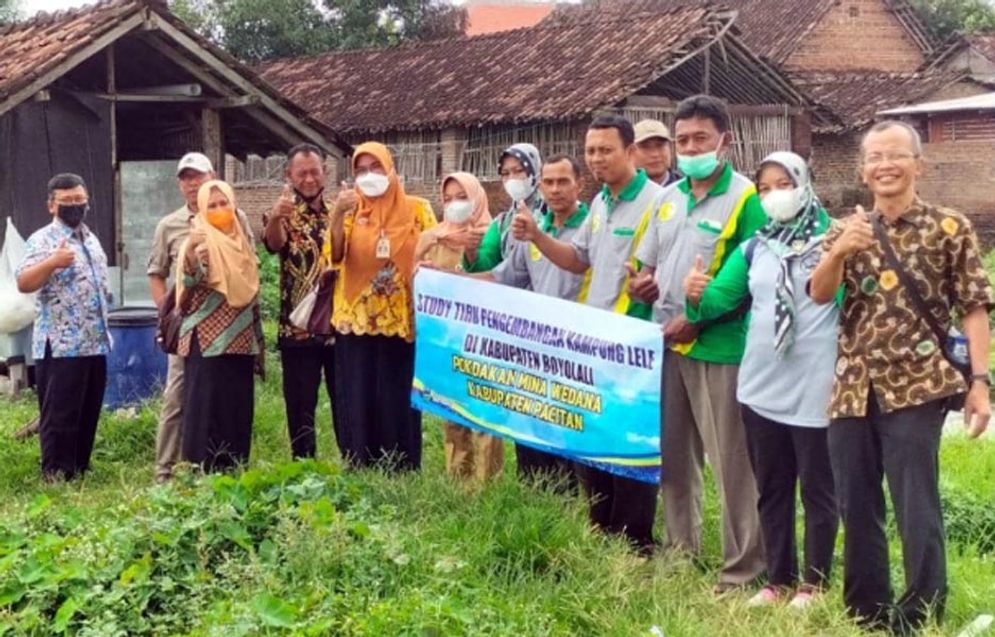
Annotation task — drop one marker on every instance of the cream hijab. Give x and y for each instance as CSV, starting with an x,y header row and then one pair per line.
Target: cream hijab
x,y
232,270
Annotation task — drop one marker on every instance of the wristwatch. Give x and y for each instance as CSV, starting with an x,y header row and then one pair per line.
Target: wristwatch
x,y
984,377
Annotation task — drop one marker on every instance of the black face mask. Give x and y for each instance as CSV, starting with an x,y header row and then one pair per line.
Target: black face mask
x,y
72,214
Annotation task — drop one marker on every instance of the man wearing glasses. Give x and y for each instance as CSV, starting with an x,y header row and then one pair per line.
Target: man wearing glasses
x,y
67,268
894,383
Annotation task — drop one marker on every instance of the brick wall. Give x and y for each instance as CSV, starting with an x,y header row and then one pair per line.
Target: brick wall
x,y
857,34
834,165
960,175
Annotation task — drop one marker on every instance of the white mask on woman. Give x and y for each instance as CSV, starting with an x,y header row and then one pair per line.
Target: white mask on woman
x,y
458,212
518,189
782,205
373,184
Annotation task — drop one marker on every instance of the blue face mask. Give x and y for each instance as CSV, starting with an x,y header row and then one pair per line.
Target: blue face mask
x,y
699,166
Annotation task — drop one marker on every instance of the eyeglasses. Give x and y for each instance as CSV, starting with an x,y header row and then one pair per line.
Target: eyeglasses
x,y
72,201
894,156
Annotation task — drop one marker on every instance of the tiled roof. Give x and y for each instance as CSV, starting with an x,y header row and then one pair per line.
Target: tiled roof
x,y
483,18
856,97
31,49
37,47
983,43
560,70
773,29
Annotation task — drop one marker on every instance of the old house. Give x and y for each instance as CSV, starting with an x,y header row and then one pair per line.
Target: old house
x,y
455,104
117,92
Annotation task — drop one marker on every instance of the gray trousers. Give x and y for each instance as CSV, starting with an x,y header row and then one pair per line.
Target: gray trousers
x,y
169,438
701,416
902,447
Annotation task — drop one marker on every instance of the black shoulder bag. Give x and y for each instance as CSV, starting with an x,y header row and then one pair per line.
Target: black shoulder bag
x,y
955,402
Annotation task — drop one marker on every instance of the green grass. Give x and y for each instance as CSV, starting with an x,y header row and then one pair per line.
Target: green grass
x,y
307,549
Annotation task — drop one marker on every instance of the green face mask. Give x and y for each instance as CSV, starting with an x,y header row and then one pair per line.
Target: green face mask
x,y
698,166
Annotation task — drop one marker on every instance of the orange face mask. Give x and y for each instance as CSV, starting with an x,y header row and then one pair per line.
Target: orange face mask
x,y
221,218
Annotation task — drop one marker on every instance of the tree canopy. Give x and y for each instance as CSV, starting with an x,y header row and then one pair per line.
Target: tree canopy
x,y
947,16
257,30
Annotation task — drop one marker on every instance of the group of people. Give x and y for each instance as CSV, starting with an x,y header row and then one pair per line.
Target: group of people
x,y
796,352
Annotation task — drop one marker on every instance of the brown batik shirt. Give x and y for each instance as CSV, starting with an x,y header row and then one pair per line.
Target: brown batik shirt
x,y
884,346
301,265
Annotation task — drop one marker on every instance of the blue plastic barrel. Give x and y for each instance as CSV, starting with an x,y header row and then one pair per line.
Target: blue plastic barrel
x,y
136,367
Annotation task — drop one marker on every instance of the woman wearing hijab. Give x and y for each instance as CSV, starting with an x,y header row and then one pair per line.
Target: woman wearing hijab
x,y
786,376
217,292
466,217
520,166
375,230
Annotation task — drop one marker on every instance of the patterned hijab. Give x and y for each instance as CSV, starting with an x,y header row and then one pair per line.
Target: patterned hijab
x,y
790,241
528,155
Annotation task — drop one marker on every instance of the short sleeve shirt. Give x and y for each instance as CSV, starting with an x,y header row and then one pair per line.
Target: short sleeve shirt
x,y
72,305
608,239
885,347
301,263
711,228
527,268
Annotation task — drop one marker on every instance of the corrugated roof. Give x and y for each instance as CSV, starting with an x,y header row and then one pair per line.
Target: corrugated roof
x,y
984,102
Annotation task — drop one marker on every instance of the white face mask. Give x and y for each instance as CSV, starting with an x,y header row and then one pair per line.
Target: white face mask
x,y
518,189
373,184
782,205
458,212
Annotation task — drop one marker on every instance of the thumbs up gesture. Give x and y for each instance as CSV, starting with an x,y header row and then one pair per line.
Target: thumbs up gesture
x,y
642,285
346,201
858,235
284,206
696,281
524,227
63,257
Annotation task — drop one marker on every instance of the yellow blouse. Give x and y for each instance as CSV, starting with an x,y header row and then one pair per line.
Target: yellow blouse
x,y
385,307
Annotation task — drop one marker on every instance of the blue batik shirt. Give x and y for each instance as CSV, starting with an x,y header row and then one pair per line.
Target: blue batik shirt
x,y
72,305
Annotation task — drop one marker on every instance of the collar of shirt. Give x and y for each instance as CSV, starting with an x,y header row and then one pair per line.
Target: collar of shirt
x,y
628,193
65,232
573,221
720,187
915,215
304,207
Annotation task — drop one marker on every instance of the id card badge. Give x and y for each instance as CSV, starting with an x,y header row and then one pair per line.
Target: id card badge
x,y
383,248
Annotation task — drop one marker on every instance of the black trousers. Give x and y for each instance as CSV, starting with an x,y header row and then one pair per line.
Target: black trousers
x,y
902,447
302,369
373,376
70,394
538,465
218,397
620,505
782,456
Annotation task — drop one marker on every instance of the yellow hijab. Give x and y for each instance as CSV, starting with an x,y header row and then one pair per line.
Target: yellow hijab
x,y
232,270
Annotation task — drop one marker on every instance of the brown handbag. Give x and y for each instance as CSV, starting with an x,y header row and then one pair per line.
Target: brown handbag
x,y
167,332
320,322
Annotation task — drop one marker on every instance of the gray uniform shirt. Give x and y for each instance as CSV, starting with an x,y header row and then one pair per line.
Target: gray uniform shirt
x,y
525,267
609,237
793,390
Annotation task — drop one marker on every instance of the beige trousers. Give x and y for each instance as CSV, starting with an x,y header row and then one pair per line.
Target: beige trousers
x,y
169,438
702,417
472,454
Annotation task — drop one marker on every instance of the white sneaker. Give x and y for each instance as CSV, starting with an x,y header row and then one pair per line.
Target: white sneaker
x,y
766,596
803,600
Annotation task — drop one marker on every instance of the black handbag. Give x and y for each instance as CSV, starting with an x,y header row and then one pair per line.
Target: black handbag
x,y
955,402
167,332
320,321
